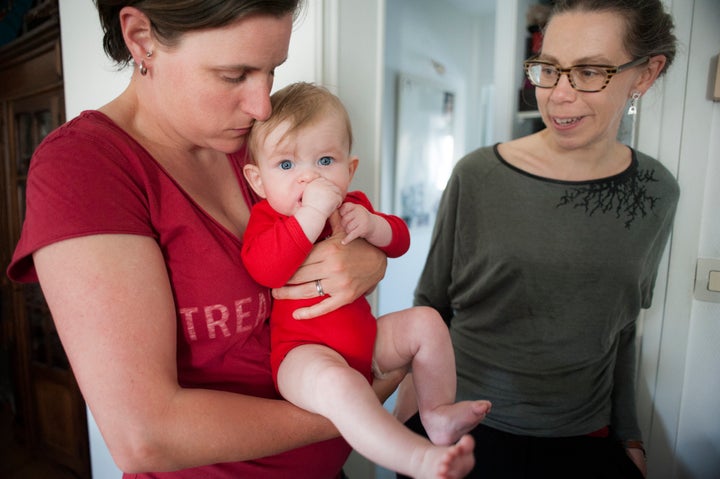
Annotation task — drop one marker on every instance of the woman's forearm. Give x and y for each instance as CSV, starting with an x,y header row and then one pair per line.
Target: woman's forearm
x,y
202,427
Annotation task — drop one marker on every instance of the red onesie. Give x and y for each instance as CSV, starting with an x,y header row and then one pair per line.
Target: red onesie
x,y
274,247
89,177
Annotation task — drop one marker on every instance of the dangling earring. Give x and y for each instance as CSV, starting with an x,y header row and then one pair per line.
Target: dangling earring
x,y
143,68
633,103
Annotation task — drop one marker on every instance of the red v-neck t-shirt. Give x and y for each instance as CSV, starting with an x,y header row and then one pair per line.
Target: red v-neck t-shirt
x,y
89,177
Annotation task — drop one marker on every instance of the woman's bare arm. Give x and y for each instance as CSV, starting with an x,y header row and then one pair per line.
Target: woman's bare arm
x,y
111,301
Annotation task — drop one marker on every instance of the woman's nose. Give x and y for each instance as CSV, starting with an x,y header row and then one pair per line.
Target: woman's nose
x,y
257,101
563,89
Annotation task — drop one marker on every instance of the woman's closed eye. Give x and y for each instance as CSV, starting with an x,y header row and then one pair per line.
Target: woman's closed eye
x,y
241,77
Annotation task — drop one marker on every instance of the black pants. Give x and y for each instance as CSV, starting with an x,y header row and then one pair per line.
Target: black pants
x,y
500,455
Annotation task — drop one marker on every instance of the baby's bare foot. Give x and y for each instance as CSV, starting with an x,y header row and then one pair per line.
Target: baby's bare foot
x,y
458,460
447,424
442,462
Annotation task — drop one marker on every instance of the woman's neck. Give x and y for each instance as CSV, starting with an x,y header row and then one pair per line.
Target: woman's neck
x,y
539,155
206,175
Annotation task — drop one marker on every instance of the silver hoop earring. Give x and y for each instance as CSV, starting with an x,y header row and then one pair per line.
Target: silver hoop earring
x,y
633,103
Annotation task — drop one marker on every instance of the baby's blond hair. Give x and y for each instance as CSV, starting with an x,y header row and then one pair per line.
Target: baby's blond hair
x,y
301,104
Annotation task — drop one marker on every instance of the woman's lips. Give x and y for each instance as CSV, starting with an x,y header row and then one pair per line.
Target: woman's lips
x,y
566,122
242,131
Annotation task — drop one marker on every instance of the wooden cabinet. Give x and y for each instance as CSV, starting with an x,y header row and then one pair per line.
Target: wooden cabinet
x,y
50,415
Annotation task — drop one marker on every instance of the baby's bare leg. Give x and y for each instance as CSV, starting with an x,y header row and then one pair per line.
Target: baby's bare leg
x,y
319,380
418,337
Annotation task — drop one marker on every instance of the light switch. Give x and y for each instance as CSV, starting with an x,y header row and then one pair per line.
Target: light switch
x,y
707,280
714,281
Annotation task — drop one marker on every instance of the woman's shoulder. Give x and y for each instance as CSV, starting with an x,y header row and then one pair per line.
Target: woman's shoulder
x,y
479,160
483,165
646,161
91,138
89,125
656,171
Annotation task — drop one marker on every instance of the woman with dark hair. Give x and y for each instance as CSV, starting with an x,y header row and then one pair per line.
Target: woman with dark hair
x,y
135,214
546,248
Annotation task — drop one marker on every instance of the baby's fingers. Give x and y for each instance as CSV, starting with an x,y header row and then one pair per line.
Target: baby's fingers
x,y
351,235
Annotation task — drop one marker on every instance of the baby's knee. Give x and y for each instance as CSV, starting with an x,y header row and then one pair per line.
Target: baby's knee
x,y
338,377
428,319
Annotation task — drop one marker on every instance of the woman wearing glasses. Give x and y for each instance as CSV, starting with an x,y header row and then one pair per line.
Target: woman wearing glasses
x,y
546,248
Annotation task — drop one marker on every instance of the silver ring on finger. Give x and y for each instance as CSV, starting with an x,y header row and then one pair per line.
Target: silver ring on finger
x,y
319,288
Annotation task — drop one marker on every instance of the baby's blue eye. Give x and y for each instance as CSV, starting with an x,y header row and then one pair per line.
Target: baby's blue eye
x,y
325,160
285,164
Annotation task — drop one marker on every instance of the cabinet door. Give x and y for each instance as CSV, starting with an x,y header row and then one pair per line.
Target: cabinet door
x,y
53,403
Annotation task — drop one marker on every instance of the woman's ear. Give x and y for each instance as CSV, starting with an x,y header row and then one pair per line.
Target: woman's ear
x,y
252,175
137,32
650,73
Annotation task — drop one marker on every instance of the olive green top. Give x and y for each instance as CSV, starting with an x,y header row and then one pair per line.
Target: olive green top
x,y
541,282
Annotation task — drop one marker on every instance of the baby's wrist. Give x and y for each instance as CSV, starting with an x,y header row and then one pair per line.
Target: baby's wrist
x,y
318,211
379,232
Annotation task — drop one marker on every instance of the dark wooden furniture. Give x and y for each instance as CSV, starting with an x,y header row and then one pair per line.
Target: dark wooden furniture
x,y
49,412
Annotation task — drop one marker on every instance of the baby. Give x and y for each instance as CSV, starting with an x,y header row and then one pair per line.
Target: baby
x,y
301,165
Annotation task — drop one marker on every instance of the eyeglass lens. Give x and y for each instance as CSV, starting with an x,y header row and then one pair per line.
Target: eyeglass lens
x,y
586,78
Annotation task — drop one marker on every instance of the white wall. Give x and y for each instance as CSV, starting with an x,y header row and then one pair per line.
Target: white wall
x,y
681,126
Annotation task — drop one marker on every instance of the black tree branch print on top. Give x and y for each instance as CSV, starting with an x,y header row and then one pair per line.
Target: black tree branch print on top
x,y
626,196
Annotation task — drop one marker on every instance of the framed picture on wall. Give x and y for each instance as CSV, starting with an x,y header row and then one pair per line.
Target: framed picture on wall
x,y
425,148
